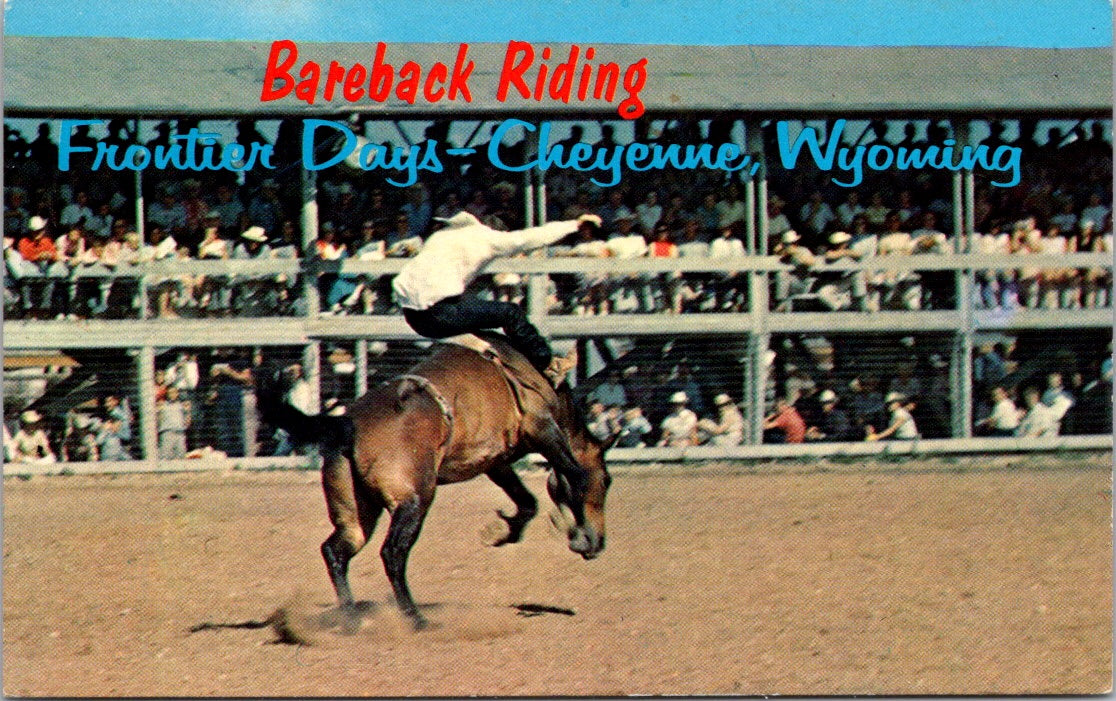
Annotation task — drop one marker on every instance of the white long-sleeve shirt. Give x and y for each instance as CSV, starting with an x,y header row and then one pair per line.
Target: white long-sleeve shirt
x,y
452,257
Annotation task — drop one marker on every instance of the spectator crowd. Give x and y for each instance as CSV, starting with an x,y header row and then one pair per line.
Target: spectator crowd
x,y
71,241
73,249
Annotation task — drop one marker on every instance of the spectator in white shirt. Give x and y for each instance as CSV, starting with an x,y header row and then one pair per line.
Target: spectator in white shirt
x,y
679,428
731,287
1040,420
1005,416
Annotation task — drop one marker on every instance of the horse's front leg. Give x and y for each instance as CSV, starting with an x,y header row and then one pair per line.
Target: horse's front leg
x,y
551,442
406,523
526,506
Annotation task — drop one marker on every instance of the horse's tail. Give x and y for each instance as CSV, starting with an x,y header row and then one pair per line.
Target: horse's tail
x,y
330,432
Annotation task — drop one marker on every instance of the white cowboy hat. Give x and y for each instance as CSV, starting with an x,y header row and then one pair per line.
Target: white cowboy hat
x,y
30,416
790,236
722,399
255,233
36,224
827,396
678,398
893,397
839,237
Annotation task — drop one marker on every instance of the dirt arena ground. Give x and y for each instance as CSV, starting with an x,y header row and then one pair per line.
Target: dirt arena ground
x,y
916,578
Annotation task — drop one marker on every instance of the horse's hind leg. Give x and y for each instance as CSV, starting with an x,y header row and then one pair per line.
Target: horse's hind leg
x,y
406,523
353,511
526,506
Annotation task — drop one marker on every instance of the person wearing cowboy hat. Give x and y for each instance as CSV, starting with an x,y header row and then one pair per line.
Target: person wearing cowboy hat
x,y
431,286
248,291
837,288
253,244
30,443
833,423
629,292
42,262
728,429
799,279
902,426
679,428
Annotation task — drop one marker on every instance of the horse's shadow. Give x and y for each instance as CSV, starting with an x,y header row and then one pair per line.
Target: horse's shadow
x,y
294,625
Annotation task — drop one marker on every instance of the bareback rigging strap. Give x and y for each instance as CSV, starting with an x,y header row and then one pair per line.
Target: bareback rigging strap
x,y
427,386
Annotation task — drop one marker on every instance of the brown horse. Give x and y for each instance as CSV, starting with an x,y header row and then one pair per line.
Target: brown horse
x,y
455,415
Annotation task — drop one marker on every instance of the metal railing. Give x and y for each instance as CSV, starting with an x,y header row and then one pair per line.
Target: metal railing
x,y
752,328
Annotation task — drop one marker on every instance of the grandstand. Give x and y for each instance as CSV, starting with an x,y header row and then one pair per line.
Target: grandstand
x,y
777,334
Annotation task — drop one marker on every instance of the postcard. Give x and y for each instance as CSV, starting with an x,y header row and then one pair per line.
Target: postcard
x,y
564,349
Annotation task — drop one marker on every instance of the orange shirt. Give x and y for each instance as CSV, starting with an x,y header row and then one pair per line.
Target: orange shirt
x,y
792,424
31,249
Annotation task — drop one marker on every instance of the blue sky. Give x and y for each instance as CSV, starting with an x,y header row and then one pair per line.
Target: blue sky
x,y
1030,23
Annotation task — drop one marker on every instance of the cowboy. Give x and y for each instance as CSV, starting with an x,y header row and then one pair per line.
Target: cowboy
x,y
431,286
728,429
679,428
30,444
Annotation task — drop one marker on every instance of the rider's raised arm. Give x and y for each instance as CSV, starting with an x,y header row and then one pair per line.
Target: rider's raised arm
x,y
506,243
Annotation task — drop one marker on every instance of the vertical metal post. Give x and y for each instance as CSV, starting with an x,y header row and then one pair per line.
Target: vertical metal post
x,y
537,284
140,206
312,371
309,237
529,177
141,295
961,362
960,236
969,196
750,216
756,189
361,362
961,384
536,298
755,379
540,200
755,386
148,426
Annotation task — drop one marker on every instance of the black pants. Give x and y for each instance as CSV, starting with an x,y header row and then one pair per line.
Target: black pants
x,y
466,314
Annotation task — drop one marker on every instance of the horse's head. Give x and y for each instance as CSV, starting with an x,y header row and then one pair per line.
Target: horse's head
x,y
586,528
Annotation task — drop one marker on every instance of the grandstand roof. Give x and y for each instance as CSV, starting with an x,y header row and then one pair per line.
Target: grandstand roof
x,y
140,77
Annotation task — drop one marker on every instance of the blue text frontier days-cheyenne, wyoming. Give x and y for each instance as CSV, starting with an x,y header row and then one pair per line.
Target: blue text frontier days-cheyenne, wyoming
x,y
199,151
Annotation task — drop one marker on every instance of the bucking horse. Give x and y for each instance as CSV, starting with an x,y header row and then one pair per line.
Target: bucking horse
x,y
472,407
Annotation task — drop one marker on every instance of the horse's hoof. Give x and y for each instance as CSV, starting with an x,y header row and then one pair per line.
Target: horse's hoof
x,y
561,522
496,533
350,622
